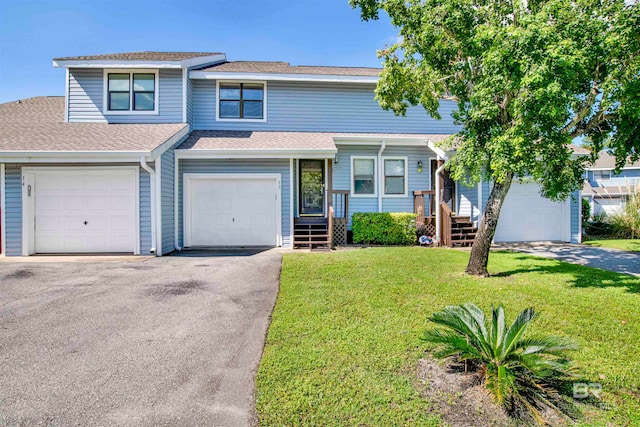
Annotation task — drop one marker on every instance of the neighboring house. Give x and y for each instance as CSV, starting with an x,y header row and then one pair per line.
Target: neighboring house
x,y
607,191
150,152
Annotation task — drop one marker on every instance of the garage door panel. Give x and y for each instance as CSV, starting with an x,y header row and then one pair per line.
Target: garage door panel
x,y
527,216
232,212
85,211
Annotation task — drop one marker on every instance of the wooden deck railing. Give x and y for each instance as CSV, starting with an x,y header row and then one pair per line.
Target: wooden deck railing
x,y
340,202
419,204
445,224
340,218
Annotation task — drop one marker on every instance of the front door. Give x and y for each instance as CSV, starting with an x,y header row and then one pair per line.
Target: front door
x,y
311,187
448,186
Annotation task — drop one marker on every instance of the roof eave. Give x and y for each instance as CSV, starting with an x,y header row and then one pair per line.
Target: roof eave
x,y
397,141
72,156
216,75
111,63
195,153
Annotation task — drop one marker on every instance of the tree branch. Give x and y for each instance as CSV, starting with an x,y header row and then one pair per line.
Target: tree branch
x,y
585,109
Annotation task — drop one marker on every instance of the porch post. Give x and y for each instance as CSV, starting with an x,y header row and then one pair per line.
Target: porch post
x,y
329,183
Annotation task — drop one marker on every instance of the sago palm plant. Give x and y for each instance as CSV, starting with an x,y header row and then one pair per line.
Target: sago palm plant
x,y
522,373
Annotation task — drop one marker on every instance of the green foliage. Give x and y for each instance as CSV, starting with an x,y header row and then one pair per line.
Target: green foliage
x,y
631,245
518,371
384,228
626,223
586,211
528,78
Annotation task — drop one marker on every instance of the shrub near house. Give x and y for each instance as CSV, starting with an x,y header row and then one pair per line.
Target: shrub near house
x,y
383,228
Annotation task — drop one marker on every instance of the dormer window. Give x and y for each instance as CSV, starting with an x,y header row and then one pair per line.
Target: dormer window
x,y
131,92
241,101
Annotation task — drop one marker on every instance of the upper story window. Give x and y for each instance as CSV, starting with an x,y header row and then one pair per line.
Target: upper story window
x,y
395,176
241,101
363,176
131,92
602,175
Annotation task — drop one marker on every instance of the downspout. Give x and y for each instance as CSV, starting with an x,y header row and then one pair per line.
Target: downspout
x,y
438,201
383,145
176,224
152,190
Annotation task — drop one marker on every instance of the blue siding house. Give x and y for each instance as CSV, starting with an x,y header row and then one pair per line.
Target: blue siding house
x,y
605,190
152,152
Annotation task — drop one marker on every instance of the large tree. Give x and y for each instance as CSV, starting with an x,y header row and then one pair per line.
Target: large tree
x,y
529,77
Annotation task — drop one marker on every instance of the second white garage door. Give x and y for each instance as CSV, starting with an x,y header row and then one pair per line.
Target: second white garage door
x,y
229,210
526,216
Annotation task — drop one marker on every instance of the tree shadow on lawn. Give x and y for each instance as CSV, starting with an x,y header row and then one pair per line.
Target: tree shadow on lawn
x,y
583,276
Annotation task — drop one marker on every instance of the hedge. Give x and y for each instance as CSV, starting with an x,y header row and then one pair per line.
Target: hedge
x,y
383,228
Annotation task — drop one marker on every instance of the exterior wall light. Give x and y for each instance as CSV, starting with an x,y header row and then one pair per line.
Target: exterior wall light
x,y
419,166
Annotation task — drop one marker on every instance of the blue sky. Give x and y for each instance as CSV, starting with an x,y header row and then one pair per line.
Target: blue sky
x,y
303,32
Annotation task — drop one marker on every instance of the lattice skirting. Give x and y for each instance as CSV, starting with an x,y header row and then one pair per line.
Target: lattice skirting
x,y
340,231
428,227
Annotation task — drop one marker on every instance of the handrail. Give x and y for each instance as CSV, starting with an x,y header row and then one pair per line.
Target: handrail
x,y
446,224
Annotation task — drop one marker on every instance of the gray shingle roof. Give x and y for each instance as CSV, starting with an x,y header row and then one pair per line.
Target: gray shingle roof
x,y
286,68
275,140
37,124
607,161
139,56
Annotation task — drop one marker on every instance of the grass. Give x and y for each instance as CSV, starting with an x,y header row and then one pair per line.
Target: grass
x,y
632,245
343,345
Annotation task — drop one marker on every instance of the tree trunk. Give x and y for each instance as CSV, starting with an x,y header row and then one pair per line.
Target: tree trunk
x,y
479,258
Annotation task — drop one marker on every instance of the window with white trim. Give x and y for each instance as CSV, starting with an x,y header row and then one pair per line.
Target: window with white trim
x,y
602,175
363,176
131,91
395,176
241,101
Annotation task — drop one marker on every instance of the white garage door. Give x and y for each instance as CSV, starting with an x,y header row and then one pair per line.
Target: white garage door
x,y
231,211
526,216
85,211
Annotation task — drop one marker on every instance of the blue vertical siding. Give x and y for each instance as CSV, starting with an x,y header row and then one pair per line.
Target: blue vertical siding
x,y
240,166
145,212
321,107
576,236
86,87
190,103
486,190
167,193
467,201
13,210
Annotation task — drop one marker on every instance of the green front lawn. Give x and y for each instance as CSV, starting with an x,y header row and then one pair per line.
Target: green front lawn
x,y
622,244
344,343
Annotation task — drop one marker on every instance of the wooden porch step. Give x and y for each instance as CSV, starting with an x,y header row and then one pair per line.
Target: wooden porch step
x,y
463,228
462,242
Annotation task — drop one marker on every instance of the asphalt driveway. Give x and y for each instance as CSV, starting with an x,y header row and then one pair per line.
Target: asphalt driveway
x,y
603,258
168,341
